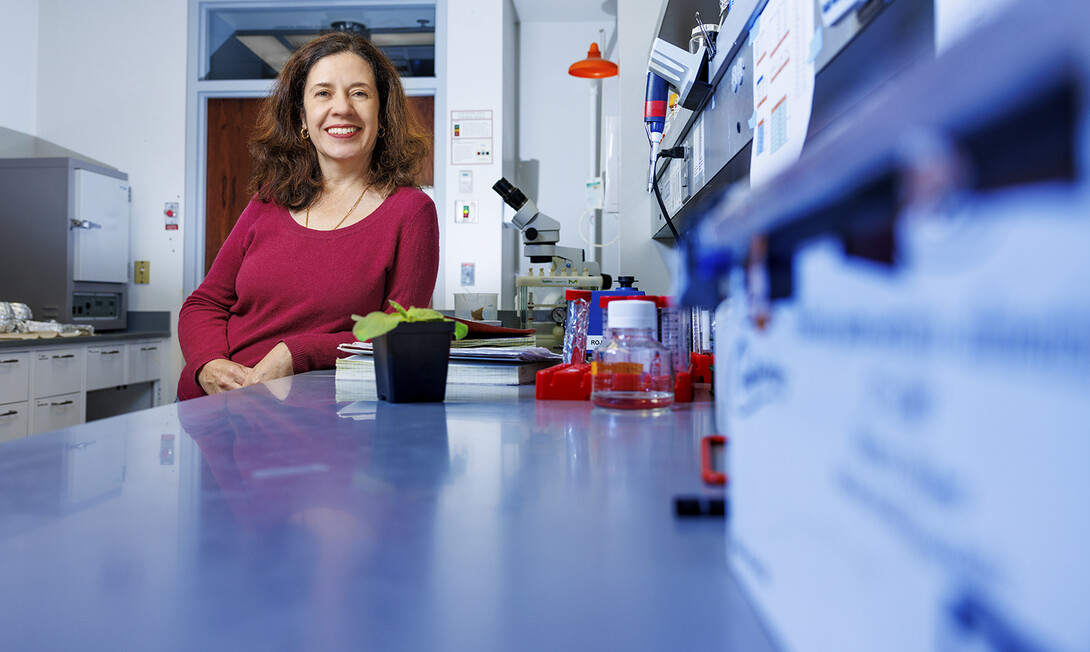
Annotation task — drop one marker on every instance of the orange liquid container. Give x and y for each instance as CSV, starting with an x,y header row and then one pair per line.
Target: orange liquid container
x,y
631,370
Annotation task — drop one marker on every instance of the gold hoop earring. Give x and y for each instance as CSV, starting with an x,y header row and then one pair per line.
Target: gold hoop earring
x,y
304,133
381,131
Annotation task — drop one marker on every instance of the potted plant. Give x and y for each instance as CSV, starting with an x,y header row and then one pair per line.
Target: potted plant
x,y
411,350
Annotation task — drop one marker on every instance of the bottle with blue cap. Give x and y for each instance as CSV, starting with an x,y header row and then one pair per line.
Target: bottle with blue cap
x,y
631,369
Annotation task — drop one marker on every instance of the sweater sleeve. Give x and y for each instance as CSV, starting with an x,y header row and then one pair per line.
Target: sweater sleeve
x,y
310,351
416,266
411,281
202,320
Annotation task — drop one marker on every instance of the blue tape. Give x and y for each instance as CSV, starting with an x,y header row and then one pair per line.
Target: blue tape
x,y
816,43
753,30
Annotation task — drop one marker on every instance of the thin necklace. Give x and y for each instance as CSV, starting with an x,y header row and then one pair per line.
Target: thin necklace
x,y
307,224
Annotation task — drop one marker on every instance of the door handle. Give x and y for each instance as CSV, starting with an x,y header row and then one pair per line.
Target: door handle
x,y
83,224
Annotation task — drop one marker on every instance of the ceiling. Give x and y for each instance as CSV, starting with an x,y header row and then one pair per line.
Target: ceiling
x,y
316,15
565,10
252,42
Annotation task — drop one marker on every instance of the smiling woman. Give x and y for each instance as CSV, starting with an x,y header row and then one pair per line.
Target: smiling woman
x,y
336,225
340,114
287,165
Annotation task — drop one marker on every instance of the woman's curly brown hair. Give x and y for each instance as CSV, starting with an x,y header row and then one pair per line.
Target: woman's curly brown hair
x,y
286,166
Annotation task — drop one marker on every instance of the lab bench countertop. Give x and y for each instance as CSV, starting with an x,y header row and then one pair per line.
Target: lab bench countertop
x,y
303,514
141,325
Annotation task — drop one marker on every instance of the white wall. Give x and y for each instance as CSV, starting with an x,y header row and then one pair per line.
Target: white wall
x,y
111,85
510,243
473,69
19,72
650,261
556,127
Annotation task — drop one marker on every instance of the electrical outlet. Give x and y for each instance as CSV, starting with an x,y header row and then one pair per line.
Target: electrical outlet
x,y
467,274
142,272
465,211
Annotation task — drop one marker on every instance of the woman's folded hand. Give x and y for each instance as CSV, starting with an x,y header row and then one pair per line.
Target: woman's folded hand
x,y
275,364
222,375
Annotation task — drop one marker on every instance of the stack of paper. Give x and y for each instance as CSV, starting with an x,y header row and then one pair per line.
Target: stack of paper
x,y
482,334
363,394
519,341
474,366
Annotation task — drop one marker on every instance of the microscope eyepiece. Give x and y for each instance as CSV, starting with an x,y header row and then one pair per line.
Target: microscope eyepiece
x,y
512,196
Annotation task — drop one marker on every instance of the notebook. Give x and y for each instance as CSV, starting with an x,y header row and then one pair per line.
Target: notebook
x,y
478,371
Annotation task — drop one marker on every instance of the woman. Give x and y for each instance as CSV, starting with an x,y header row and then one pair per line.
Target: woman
x,y
336,226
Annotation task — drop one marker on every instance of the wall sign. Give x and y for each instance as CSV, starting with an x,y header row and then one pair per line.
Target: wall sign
x,y
471,137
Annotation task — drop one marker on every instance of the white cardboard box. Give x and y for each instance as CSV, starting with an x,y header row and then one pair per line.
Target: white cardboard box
x,y
910,445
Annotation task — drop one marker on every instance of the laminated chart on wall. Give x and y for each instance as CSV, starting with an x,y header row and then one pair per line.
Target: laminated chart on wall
x,y
783,85
471,137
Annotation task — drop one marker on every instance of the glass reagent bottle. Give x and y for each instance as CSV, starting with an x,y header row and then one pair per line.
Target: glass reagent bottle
x,y
631,370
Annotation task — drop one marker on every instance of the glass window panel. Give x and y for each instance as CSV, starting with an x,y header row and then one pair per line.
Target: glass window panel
x,y
253,43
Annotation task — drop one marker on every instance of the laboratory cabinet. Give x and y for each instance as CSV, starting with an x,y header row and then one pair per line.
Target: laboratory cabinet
x,y
57,412
144,360
65,251
105,366
853,58
14,376
14,392
49,386
58,371
903,355
14,420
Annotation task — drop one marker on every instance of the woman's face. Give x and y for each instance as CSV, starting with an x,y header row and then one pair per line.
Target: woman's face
x,y
340,110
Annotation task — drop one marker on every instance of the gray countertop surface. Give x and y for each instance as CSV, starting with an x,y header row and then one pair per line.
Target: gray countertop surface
x,y
304,514
83,339
141,325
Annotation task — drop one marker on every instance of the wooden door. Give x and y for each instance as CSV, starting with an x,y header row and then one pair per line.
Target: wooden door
x,y
230,125
424,108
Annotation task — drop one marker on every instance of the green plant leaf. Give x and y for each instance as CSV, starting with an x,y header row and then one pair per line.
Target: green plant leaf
x,y
374,324
380,323
423,314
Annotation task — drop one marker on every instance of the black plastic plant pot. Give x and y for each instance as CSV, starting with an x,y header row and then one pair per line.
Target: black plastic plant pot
x,y
411,362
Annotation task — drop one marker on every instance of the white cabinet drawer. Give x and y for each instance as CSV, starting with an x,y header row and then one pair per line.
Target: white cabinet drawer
x,y
144,361
58,371
14,376
105,366
14,420
57,412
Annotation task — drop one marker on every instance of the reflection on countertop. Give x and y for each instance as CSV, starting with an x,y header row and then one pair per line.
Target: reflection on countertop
x,y
280,517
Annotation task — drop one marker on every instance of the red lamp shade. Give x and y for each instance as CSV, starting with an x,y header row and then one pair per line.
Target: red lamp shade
x,y
594,66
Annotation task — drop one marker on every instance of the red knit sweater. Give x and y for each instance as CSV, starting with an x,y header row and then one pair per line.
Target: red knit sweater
x,y
276,281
